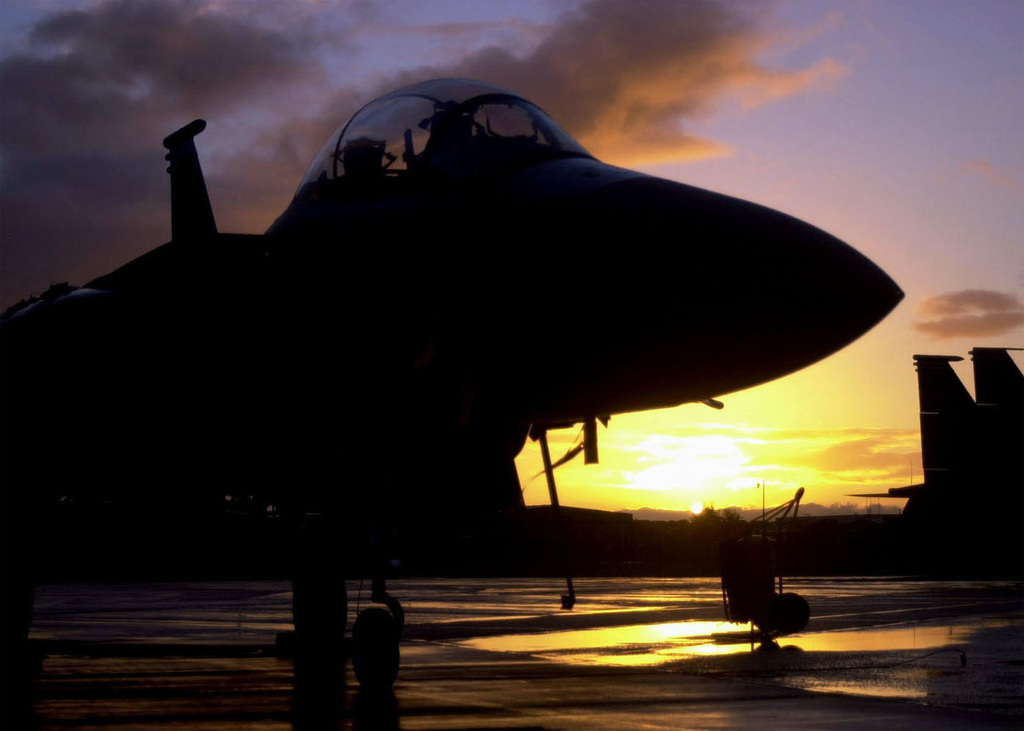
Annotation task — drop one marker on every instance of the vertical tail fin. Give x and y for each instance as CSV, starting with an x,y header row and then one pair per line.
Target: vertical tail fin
x,y
946,411
997,380
999,385
191,213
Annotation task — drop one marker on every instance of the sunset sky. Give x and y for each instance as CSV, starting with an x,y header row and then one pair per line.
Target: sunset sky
x,y
895,125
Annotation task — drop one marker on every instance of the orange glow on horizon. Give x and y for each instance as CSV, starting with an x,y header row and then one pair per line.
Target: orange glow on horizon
x,y
676,459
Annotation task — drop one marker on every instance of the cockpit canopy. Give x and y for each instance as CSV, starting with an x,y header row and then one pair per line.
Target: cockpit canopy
x,y
455,129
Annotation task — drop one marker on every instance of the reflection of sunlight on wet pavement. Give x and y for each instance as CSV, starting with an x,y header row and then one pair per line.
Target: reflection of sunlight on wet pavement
x,y
868,637
671,642
643,644
913,637
917,662
911,661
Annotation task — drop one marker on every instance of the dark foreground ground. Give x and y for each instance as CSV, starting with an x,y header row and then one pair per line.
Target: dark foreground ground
x,y
483,654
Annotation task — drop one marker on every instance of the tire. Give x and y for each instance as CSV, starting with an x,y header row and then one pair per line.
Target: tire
x,y
375,653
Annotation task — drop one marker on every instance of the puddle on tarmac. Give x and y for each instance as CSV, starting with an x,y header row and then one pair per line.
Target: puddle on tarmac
x,y
657,644
643,644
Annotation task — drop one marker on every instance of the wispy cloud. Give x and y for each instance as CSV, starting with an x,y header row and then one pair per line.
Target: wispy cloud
x,y
625,77
968,313
989,172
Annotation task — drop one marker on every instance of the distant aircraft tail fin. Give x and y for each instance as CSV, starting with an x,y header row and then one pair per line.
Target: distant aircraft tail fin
x,y
946,408
999,385
997,380
191,212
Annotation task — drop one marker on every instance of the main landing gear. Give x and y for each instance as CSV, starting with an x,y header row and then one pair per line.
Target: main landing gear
x,y
375,638
320,615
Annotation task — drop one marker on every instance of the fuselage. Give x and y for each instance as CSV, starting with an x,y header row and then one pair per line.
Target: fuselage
x,y
453,266
562,286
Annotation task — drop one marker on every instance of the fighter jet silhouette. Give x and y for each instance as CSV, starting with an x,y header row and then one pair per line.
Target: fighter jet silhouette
x,y
969,446
454,274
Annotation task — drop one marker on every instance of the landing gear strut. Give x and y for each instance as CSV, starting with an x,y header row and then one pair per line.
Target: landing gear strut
x,y
319,599
568,599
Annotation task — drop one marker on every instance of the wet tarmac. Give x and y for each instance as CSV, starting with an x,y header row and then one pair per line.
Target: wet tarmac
x,y
480,654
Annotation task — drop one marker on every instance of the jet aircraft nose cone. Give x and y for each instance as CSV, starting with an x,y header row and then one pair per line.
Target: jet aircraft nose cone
x,y
708,294
734,271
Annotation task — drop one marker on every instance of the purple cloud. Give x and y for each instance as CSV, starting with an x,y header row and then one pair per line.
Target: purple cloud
x,y
968,313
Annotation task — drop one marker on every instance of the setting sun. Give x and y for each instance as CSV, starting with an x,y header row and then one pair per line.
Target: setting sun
x,y
675,459
697,508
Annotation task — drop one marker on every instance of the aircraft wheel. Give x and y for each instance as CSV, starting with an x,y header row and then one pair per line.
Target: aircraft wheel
x,y
375,653
788,613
